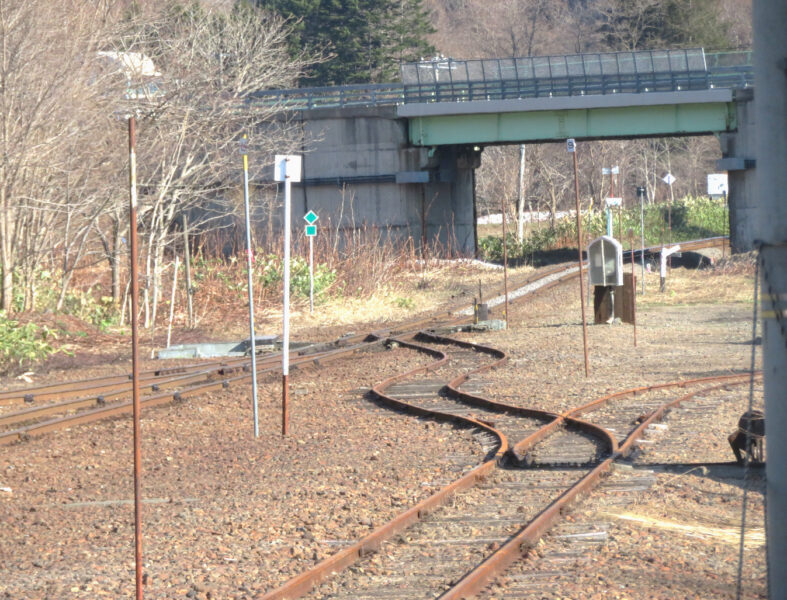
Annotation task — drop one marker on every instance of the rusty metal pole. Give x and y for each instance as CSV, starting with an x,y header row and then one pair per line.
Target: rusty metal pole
x,y
579,247
633,287
132,176
505,259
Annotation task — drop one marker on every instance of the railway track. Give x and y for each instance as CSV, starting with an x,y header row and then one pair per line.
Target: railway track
x,y
527,468
455,543
52,407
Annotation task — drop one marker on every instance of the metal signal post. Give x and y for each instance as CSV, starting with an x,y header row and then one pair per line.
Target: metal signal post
x,y
572,148
287,169
132,177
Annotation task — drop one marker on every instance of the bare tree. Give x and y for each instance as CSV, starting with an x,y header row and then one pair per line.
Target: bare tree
x,y
628,24
196,109
47,89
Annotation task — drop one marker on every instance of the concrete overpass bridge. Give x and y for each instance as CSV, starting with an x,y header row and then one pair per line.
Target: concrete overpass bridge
x,y
404,154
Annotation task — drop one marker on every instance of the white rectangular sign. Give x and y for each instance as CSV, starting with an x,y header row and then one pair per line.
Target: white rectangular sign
x,y
614,201
717,184
287,167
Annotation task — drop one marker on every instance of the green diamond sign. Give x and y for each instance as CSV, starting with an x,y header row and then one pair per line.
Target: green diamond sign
x,y
311,230
310,217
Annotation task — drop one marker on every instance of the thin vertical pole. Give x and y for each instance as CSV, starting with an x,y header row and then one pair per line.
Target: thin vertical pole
x,y
581,281
633,287
187,260
249,266
285,350
520,212
423,224
505,258
726,223
620,212
671,201
311,274
610,218
642,235
172,299
132,171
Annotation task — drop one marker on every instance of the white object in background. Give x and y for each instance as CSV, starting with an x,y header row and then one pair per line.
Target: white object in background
x,y
717,184
665,252
287,167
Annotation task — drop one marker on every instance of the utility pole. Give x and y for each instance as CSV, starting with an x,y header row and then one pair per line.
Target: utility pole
x,y
770,109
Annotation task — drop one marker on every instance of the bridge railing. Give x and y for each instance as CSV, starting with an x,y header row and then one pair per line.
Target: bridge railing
x,y
555,86
630,75
332,97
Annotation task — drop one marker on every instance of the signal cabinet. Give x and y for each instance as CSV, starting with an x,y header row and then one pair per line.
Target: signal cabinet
x,y
605,260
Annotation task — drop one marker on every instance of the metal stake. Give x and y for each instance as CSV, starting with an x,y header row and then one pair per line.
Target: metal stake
x,y
249,266
581,283
132,172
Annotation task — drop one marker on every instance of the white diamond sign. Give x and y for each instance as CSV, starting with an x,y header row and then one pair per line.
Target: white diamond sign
x,y
669,179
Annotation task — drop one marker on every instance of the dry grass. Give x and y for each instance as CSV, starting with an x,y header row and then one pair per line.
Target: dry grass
x,y
407,294
699,286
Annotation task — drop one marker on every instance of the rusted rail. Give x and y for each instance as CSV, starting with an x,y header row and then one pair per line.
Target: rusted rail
x,y
104,394
518,545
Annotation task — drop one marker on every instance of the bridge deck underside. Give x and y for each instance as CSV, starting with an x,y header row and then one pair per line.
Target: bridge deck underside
x,y
582,123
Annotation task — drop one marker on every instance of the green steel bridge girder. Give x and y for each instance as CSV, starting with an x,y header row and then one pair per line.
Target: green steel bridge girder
x,y
580,123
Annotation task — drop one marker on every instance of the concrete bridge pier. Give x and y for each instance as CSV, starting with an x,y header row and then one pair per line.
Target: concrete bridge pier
x,y
738,159
448,203
360,170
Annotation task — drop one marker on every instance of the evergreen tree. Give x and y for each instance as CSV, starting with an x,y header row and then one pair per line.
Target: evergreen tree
x,y
366,39
694,24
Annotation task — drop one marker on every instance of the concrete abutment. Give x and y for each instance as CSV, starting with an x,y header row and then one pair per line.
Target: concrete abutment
x,y
359,170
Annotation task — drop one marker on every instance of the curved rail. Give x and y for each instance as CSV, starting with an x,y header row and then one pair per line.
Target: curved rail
x,y
519,544
191,380
194,379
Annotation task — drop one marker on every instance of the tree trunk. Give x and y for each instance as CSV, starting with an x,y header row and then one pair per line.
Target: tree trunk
x,y
114,260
